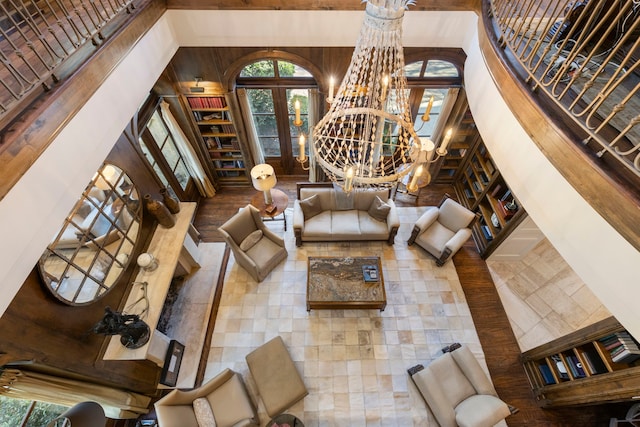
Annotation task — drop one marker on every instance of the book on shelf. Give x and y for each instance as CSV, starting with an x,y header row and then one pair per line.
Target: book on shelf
x,y
577,370
469,194
560,367
484,178
486,232
625,357
206,102
477,186
547,375
594,363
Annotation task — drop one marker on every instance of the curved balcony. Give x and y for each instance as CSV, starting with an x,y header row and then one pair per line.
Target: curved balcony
x,y
576,64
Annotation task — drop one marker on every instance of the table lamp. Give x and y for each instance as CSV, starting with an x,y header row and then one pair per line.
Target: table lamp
x,y
264,179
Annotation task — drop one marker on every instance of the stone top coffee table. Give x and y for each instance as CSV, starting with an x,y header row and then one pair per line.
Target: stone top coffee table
x,y
340,283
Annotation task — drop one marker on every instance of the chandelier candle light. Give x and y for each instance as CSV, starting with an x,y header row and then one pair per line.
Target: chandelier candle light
x,y
367,138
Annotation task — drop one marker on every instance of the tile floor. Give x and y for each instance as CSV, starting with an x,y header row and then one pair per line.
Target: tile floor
x,y
353,361
543,297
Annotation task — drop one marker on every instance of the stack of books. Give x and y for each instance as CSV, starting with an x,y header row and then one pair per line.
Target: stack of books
x,y
622,347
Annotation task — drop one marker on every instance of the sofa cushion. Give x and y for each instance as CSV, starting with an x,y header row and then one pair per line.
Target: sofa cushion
x,y
379,210
371,228
253,238
311,206
325,194
454,383
204,413
363,199
318,226
344,224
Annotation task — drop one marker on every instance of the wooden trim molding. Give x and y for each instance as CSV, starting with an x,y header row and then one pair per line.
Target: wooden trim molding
x,y
22,142
616,203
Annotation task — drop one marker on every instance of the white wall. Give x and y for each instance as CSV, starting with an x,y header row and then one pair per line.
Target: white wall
x,y
602,258
34,209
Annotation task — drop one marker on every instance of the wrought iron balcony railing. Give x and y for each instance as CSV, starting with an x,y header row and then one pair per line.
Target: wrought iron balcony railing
x,y
37,36
584,56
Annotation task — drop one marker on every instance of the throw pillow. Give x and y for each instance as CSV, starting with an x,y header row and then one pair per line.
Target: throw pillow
x,y
249,241
204,414
379,210
311,206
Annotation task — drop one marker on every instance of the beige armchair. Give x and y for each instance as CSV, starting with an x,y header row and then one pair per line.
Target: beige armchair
x,y
228,401
458,392
255,247
443,230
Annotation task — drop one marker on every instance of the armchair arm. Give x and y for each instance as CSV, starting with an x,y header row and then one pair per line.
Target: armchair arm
x,y
473,371
393,221
266,232
182,397
427,218
454,244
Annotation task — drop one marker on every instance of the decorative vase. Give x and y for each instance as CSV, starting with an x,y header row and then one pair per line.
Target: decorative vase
x,y
170,200
159,211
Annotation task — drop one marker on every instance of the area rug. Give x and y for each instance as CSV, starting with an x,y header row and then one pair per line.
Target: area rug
x,y
353,362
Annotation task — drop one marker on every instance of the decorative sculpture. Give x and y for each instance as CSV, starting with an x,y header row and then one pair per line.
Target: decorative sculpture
x,y
134,333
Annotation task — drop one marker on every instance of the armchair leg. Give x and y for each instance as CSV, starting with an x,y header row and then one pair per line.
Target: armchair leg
x,y
415,369
513,409
452,347
414,234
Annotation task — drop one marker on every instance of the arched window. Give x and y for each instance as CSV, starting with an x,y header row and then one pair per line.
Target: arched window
x,y
429,79
272,87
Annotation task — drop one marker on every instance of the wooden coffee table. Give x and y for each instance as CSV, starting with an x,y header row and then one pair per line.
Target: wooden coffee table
x,y
339,283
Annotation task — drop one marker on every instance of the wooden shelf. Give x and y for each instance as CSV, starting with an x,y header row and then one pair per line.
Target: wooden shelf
x,y
482,189
212,118
578,369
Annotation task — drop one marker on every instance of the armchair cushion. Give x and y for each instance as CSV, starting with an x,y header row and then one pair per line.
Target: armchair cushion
x,y
240,226
226,395
459,392
481,410
249,241
443,230
204,414
311,206
379,210
454,216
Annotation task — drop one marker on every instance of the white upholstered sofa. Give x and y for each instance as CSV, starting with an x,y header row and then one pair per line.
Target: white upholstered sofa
x,y
324,213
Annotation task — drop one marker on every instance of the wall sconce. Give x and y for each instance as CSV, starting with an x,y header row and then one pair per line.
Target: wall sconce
x,y
264,179
197,88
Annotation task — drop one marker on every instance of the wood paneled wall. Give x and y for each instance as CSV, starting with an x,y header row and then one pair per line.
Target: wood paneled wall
x,y
39,330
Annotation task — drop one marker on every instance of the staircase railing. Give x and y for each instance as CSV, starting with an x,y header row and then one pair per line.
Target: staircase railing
x,y
37,36
584,56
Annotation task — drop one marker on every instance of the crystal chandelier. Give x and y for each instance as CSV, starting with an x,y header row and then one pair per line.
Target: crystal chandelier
x,y
367,138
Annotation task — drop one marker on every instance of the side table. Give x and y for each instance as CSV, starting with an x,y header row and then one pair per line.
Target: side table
x,y
280,201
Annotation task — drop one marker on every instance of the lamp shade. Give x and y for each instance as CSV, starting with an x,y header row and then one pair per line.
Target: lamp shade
x,y
84,414
263,177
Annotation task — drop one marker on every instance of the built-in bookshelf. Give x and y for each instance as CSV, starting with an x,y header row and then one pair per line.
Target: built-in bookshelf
x,y
212,117
481,188
597,364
